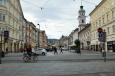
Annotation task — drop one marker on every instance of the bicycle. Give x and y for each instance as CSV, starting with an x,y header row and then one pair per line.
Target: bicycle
x,y
27,58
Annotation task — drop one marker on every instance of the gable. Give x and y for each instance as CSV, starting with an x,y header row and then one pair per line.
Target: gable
x,y
17,5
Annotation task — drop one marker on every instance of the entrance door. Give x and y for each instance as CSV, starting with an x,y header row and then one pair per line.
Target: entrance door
x,y
113,47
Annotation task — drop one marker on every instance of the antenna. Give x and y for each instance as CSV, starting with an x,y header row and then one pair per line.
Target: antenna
x,y
81,2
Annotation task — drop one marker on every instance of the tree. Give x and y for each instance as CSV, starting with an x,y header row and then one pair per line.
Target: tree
x,y
77,42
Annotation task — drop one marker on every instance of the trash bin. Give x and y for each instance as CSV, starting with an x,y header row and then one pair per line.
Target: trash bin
x,y
104,54
3,54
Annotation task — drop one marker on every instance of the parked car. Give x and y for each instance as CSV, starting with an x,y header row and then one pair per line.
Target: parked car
x,y
64,48
47,49
40,51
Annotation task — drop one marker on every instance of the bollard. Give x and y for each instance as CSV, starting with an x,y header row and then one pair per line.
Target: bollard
x,y
104,54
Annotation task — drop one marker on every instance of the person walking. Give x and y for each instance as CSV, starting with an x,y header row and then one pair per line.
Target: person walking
x,y
61,50
7,50
55,50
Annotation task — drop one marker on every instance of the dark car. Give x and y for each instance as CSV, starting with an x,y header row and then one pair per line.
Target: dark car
x,y
47,49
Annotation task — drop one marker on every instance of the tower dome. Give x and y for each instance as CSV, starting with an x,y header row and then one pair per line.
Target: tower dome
x,y
81,9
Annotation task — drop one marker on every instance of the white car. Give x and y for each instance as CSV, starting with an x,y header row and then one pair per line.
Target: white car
x,y
64,48
41,51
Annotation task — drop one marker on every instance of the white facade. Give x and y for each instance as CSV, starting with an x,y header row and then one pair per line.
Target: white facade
x,y
81,18
75,36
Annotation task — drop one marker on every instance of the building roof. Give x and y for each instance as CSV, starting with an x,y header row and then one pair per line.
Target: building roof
x,y
81,9
97,6
87,25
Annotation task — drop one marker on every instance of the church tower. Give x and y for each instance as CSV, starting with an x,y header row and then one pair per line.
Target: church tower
x,y
81,18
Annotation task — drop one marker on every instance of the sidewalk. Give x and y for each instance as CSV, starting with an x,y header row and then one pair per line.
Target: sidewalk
x,y
92,74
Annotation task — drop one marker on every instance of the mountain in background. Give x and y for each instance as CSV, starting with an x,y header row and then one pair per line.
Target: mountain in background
x,y
52,41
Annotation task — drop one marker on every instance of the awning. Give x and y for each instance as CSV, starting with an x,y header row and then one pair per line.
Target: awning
x,y
72,45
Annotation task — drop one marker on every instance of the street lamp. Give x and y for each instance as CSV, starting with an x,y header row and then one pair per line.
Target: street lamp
x,y
39,36
1,48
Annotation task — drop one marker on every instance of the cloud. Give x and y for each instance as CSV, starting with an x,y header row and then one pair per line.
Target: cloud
x,y
59,17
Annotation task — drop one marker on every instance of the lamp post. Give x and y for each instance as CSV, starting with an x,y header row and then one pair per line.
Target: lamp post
x,y
39,35
1,48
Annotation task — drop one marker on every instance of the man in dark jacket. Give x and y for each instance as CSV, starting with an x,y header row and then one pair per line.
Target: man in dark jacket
x,y
29,50
55,50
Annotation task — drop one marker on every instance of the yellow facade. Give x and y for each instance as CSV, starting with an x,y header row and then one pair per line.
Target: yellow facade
x,y
103,16
11,21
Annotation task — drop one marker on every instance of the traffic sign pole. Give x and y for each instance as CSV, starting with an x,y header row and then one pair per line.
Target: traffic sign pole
x,y
102,38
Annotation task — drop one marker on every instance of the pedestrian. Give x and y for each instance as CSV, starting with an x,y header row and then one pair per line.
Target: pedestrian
x,y
79,51
61,50
7,50
101,50
55,50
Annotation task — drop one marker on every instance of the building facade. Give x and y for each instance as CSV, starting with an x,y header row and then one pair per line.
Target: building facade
x,y
103,16
43,39
11,17
84,37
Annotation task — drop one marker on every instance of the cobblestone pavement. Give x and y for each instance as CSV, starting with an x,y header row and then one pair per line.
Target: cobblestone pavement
x,y
67,64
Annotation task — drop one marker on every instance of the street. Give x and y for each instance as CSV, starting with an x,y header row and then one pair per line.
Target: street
x,y
66,64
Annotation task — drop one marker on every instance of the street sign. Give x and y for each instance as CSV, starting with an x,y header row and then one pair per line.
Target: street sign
x,y
100,30
100,35
6,34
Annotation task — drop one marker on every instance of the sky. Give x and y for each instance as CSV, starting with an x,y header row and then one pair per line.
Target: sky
x,y
56,17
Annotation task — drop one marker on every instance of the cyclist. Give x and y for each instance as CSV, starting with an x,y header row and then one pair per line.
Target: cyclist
x,y
29,50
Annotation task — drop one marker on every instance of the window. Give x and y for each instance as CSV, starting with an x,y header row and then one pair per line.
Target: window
x,y
114,29
112,2
3,29
20,18
99,22
16,25
103,20
82,21
103,9
3,2
112,14
2,16
12,33
16,35
9,20
107,17
94,35
9,8
107,6
13,23
96,25
108,30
